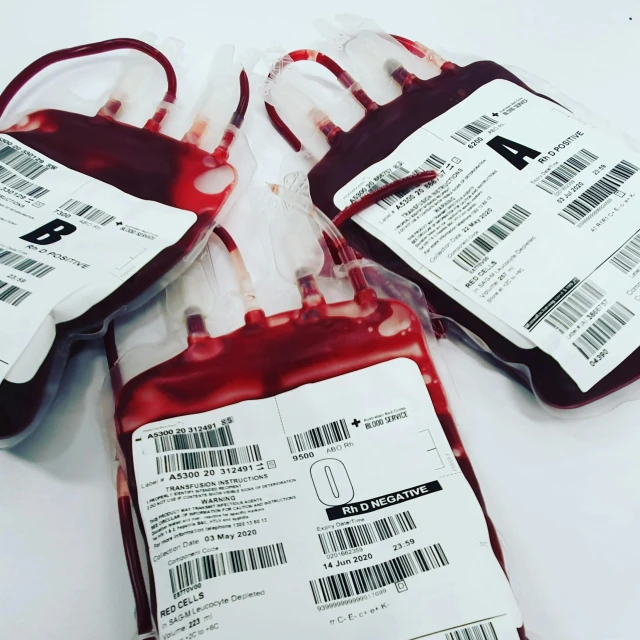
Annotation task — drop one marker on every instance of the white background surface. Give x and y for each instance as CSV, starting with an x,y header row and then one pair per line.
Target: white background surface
x,y
565,495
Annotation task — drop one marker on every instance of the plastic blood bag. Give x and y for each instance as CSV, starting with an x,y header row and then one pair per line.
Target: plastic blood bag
x,y
520,178
104,211
304,466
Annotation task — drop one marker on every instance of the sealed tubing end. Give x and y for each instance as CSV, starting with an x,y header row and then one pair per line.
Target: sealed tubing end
x,y
196,325
310,293
398,72
197,131
111,108
155,122
329,129
221,152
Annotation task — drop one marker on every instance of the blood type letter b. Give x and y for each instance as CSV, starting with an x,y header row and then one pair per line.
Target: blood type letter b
x,y
50,232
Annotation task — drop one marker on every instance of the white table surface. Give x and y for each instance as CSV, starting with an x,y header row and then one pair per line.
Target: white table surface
x,y
565,495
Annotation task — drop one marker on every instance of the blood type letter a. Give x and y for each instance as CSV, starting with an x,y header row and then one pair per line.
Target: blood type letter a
x,y
331,481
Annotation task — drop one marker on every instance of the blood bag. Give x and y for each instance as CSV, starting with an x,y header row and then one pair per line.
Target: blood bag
x,y
304,467
523,174
97,213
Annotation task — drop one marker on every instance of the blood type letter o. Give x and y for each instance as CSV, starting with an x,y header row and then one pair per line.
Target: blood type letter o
x,y
331,481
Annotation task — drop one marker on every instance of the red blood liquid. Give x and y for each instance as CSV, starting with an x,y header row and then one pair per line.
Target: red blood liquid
x,y
377,135
276,354
142,163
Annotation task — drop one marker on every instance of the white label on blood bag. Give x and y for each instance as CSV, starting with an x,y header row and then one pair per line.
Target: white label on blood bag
x,y
334,510
535,216
61,231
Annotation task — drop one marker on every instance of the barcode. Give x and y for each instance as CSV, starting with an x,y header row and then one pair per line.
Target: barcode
x,y
12,295
215,565
480,246
14,181
359,581
26,265
21,162
572,308
482,631
596,194
433,162
220,437
203,459
603,329
568,170
473,129
628,257
330,433
360,535
86,211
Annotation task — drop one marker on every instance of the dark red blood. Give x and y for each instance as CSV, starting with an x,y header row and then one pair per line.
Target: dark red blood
x,y
371,140
277,354
144,164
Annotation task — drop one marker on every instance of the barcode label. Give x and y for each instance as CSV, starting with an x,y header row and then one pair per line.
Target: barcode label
x,y
26,265
574,306
480,246
214,565
359,581
220,437
603,329
473,129
17,183
482,631
433,163
203,459
86,211
21,162
12,295
330,433
628,257
596,194
568,170
361,535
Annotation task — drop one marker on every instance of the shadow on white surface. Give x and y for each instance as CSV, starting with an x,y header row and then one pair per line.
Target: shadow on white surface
x,y
54,446
63,572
